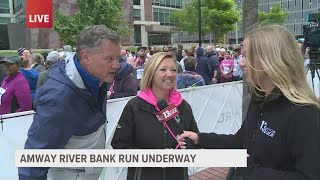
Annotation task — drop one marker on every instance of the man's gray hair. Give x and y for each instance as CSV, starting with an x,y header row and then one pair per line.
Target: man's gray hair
x,y
91,37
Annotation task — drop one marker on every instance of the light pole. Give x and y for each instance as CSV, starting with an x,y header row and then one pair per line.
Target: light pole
x,y
237,33
199,23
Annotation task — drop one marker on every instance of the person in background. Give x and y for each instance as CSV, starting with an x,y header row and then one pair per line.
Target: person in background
x,y
282,129
71,106
213,64
37,61
44,55
139,128
179,55
2,74
25,53
184,56
226,68
138,64
237,73
124,83
52,58
133,54
202,67
67,50
15,93
151,50
123,55
31,75
189,78
173,51
129,55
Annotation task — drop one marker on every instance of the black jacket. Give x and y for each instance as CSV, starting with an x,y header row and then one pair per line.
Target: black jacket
x,y
213,64
282,139
139,128
202,67
124,82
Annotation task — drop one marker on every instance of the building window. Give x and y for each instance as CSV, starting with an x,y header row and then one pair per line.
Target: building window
x,y
137,35
4,10
168,3
156,2
156,14
162,15
137,14
159,39
136,2
4,20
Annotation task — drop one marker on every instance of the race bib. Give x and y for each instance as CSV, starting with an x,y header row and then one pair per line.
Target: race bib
x,y
2,91
139,73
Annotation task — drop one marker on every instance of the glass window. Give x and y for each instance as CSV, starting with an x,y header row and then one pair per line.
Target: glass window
x,y
155,14
4,20
161,16
173,3
162,2
137,14
4,10
178,4
167,3
156,2
136,2
4,7
137,35
4,4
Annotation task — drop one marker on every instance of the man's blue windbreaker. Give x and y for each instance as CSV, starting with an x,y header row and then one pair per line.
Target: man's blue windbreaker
x,y
68,116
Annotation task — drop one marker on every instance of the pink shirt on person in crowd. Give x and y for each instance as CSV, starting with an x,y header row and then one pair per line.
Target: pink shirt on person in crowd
x,y
226,65
15,86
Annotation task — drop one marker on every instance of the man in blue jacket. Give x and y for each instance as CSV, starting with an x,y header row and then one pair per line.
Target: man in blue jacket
x,y
71,106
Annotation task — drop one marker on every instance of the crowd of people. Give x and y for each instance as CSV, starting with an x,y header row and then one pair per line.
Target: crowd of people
x,y
281,131
196,67
22,75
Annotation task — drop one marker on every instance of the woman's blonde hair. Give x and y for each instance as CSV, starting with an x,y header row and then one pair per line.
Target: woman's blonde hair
x,y
151,66
282,61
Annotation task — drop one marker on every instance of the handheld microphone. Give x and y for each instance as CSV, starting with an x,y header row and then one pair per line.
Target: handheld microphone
x,y
162,104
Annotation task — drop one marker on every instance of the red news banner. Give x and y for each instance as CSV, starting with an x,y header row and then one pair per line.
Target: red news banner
x,y
39,14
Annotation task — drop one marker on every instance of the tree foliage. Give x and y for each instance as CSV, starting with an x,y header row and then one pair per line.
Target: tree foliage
x,y
92,12
276,15
218,17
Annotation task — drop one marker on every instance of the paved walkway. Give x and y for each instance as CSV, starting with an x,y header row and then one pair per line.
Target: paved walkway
x,y
211,174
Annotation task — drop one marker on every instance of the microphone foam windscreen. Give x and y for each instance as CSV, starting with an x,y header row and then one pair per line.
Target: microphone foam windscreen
x,y
162,104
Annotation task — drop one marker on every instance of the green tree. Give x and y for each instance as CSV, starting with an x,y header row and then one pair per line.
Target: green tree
x,y
276,15
92,12
218,17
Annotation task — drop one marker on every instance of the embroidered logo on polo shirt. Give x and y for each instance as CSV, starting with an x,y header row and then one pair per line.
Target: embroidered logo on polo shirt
x,y
268,131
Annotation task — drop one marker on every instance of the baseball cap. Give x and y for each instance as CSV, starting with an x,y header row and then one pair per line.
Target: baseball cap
x,y
53,56
67,48
11,59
